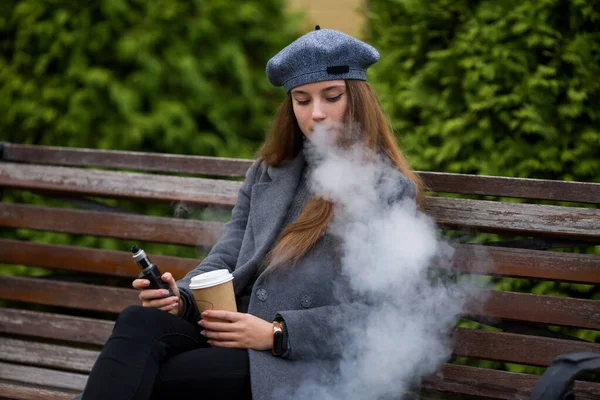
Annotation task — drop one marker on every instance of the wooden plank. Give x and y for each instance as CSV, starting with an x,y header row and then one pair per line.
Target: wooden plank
x,y
55,326
74,258
42,377
71,295
78,157
542,189
551,310
568,267
513,348
493,384
515,218
509,218
47,355
497,346
559,266
130,185
507,305
116,225
28,392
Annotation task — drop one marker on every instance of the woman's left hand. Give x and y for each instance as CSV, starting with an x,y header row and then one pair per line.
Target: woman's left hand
x,y
243,331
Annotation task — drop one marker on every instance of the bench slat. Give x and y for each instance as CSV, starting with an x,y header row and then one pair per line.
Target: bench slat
x,y
64,294
75,258
55,326
43,377
116,225
515,306
497,346
516,218
47,355
526,188
490,216
568,267
525,263
131,185
489,383
514,348
552,310
78,157
436,181
27,392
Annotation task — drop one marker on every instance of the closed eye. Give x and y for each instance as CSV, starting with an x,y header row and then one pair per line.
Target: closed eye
x,y
302,102
334,99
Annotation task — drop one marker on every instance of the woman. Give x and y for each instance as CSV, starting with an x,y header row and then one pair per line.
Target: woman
x,y
284,263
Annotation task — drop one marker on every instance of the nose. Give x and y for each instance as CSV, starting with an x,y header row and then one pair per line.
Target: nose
x,y
318,114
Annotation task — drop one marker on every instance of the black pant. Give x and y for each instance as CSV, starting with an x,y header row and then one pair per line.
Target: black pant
x,y
152,354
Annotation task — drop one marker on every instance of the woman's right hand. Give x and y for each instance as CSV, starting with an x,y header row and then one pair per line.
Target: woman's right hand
x,y
159,298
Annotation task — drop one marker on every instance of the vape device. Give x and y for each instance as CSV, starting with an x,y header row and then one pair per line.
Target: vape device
x,y
149,271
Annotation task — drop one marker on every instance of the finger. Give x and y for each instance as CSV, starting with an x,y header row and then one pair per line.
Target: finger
x,y
140,284
151,294
229,344
169,307
220,336
168,278
168,302
218,326
221,314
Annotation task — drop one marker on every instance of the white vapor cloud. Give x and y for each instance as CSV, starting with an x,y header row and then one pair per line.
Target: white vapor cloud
x,y
391,255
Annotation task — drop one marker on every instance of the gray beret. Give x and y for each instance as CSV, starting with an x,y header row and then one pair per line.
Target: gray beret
x,y
321,55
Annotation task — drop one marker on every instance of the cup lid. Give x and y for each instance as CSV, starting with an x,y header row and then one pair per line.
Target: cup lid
x,y
211,278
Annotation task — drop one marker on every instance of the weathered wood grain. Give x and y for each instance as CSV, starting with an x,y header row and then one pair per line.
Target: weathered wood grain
x,y
497,346
71,295
507,305
486,216
525,263
77,157
45,355
28,392
116,225
551,310
230,167
502,186
514,348
98,261
515,218
42,377
494,384
55,326
137,186
559,266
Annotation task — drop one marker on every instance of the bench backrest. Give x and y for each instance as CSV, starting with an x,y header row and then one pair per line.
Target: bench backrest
x,y
40,312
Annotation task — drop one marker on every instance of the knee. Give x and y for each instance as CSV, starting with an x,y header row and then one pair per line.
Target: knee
x,y
139,317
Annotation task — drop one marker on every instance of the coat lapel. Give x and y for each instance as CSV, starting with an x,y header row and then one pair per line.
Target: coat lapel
x,y
270,202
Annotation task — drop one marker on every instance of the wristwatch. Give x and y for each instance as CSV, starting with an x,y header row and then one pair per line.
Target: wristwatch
x,y
277,339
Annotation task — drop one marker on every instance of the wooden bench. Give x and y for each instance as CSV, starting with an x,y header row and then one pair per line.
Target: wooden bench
x,y
52,326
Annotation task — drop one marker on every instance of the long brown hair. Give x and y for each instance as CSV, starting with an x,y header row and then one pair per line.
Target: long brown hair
x,y
284,141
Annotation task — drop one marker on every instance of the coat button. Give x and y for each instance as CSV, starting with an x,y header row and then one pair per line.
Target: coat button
x,y
306,301
262,294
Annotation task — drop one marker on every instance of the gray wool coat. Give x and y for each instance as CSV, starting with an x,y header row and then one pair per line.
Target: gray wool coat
x,y
311,297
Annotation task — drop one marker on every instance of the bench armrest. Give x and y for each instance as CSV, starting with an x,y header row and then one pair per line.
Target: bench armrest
x,y
557,381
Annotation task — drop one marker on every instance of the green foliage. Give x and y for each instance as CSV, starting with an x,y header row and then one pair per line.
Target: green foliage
x,y
177,76
493,87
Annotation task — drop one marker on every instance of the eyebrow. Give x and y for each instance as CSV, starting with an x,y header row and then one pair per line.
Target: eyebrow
x,y
322,90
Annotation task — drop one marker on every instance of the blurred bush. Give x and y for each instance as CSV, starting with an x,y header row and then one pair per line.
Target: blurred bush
x,y
493,87
178,76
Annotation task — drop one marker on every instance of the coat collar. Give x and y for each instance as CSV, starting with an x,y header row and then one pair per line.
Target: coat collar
x,y
270,201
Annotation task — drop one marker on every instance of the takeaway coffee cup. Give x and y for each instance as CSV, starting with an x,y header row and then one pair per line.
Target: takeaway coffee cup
x,y
214,291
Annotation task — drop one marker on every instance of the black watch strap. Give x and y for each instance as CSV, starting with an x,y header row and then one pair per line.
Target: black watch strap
x,y
277,339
